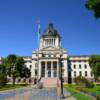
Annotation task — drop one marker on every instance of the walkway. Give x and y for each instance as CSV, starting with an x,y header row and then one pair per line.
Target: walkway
x,y
33,94
67,95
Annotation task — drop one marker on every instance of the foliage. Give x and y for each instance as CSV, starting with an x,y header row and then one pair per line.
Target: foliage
x,y
94,62
98,97
3,80
3,77
94,5
82,81
10,86
16,67
21,68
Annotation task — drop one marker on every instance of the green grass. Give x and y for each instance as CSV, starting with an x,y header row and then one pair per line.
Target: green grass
x,y
76,93
95,90
10,86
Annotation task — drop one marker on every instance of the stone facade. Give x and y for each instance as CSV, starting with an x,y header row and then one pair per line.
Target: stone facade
x,y
47,60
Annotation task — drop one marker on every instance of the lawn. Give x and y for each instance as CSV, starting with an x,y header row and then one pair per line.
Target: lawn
x,y
95,90
76,93
10,86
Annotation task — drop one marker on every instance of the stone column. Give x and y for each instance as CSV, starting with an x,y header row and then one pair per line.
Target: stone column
x,y
58,69
39,70
45,69
52,69
53,42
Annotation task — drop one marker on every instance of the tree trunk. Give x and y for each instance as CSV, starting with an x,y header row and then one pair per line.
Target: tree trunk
x,y
14,78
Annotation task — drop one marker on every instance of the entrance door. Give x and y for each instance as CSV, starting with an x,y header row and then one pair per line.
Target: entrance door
x,y
49,73
55,73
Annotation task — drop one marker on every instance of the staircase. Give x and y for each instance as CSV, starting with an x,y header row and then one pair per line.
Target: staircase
x,y
50,82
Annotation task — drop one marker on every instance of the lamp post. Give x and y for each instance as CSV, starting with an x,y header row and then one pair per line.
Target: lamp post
x,y
61,79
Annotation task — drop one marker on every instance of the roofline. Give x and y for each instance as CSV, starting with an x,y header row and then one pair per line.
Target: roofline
x,y
26,56
79,56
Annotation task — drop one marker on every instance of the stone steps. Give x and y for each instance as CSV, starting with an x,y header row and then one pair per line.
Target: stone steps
x,y
50,82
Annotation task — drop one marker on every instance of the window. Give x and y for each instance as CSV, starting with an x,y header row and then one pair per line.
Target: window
x,y
74,73
35,72
55,65
62,64
79,66
85,73
43,55
43,64
85,66
48,65
55,74
74,66
30,66
80,73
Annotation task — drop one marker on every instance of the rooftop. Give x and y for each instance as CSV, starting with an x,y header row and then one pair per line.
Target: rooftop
x,y
50,31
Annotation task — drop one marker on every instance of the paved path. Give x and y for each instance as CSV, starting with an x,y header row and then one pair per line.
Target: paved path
x,y
67,95
34,94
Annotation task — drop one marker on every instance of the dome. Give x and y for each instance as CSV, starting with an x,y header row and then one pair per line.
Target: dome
x,y
50,31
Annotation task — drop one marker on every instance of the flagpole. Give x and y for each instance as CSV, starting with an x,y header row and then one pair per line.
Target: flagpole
x,y
38,50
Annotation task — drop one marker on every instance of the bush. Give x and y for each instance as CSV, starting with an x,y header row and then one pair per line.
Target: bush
x,y
82,81
98,97
3,80
89,84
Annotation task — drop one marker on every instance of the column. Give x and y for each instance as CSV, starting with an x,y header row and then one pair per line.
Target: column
x,y
47,42
51,68
45,68
58,69
39,71
53,42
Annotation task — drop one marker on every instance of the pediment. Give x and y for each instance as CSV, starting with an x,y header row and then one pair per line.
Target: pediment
x,y
50,48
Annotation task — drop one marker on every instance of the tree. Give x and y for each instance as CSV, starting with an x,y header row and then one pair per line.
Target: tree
x,y
3,75
16,67
94,5
23,71
10,62
94,62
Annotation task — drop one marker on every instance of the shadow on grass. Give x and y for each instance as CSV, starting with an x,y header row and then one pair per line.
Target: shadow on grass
x,y
71,95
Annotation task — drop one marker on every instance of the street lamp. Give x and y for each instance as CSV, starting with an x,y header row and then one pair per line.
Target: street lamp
x,y
61,79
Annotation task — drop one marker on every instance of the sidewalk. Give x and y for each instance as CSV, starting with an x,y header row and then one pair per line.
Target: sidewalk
x,y
67,94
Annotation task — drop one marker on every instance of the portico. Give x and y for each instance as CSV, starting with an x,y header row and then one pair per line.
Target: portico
x,y
49,68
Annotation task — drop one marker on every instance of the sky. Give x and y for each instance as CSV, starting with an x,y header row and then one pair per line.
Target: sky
x,y
79,29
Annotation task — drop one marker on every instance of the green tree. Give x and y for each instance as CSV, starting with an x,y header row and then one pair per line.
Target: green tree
x,y
94,62
3,75
94,5
23,71
16,67
10,63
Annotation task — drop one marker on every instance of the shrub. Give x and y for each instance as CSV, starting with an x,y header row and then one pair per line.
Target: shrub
x,y
82,81
98,97
89,84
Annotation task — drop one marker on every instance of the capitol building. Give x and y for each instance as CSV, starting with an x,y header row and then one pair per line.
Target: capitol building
x,y
46,62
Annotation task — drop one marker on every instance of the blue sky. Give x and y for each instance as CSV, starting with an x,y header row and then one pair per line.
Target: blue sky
x,y
79,29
